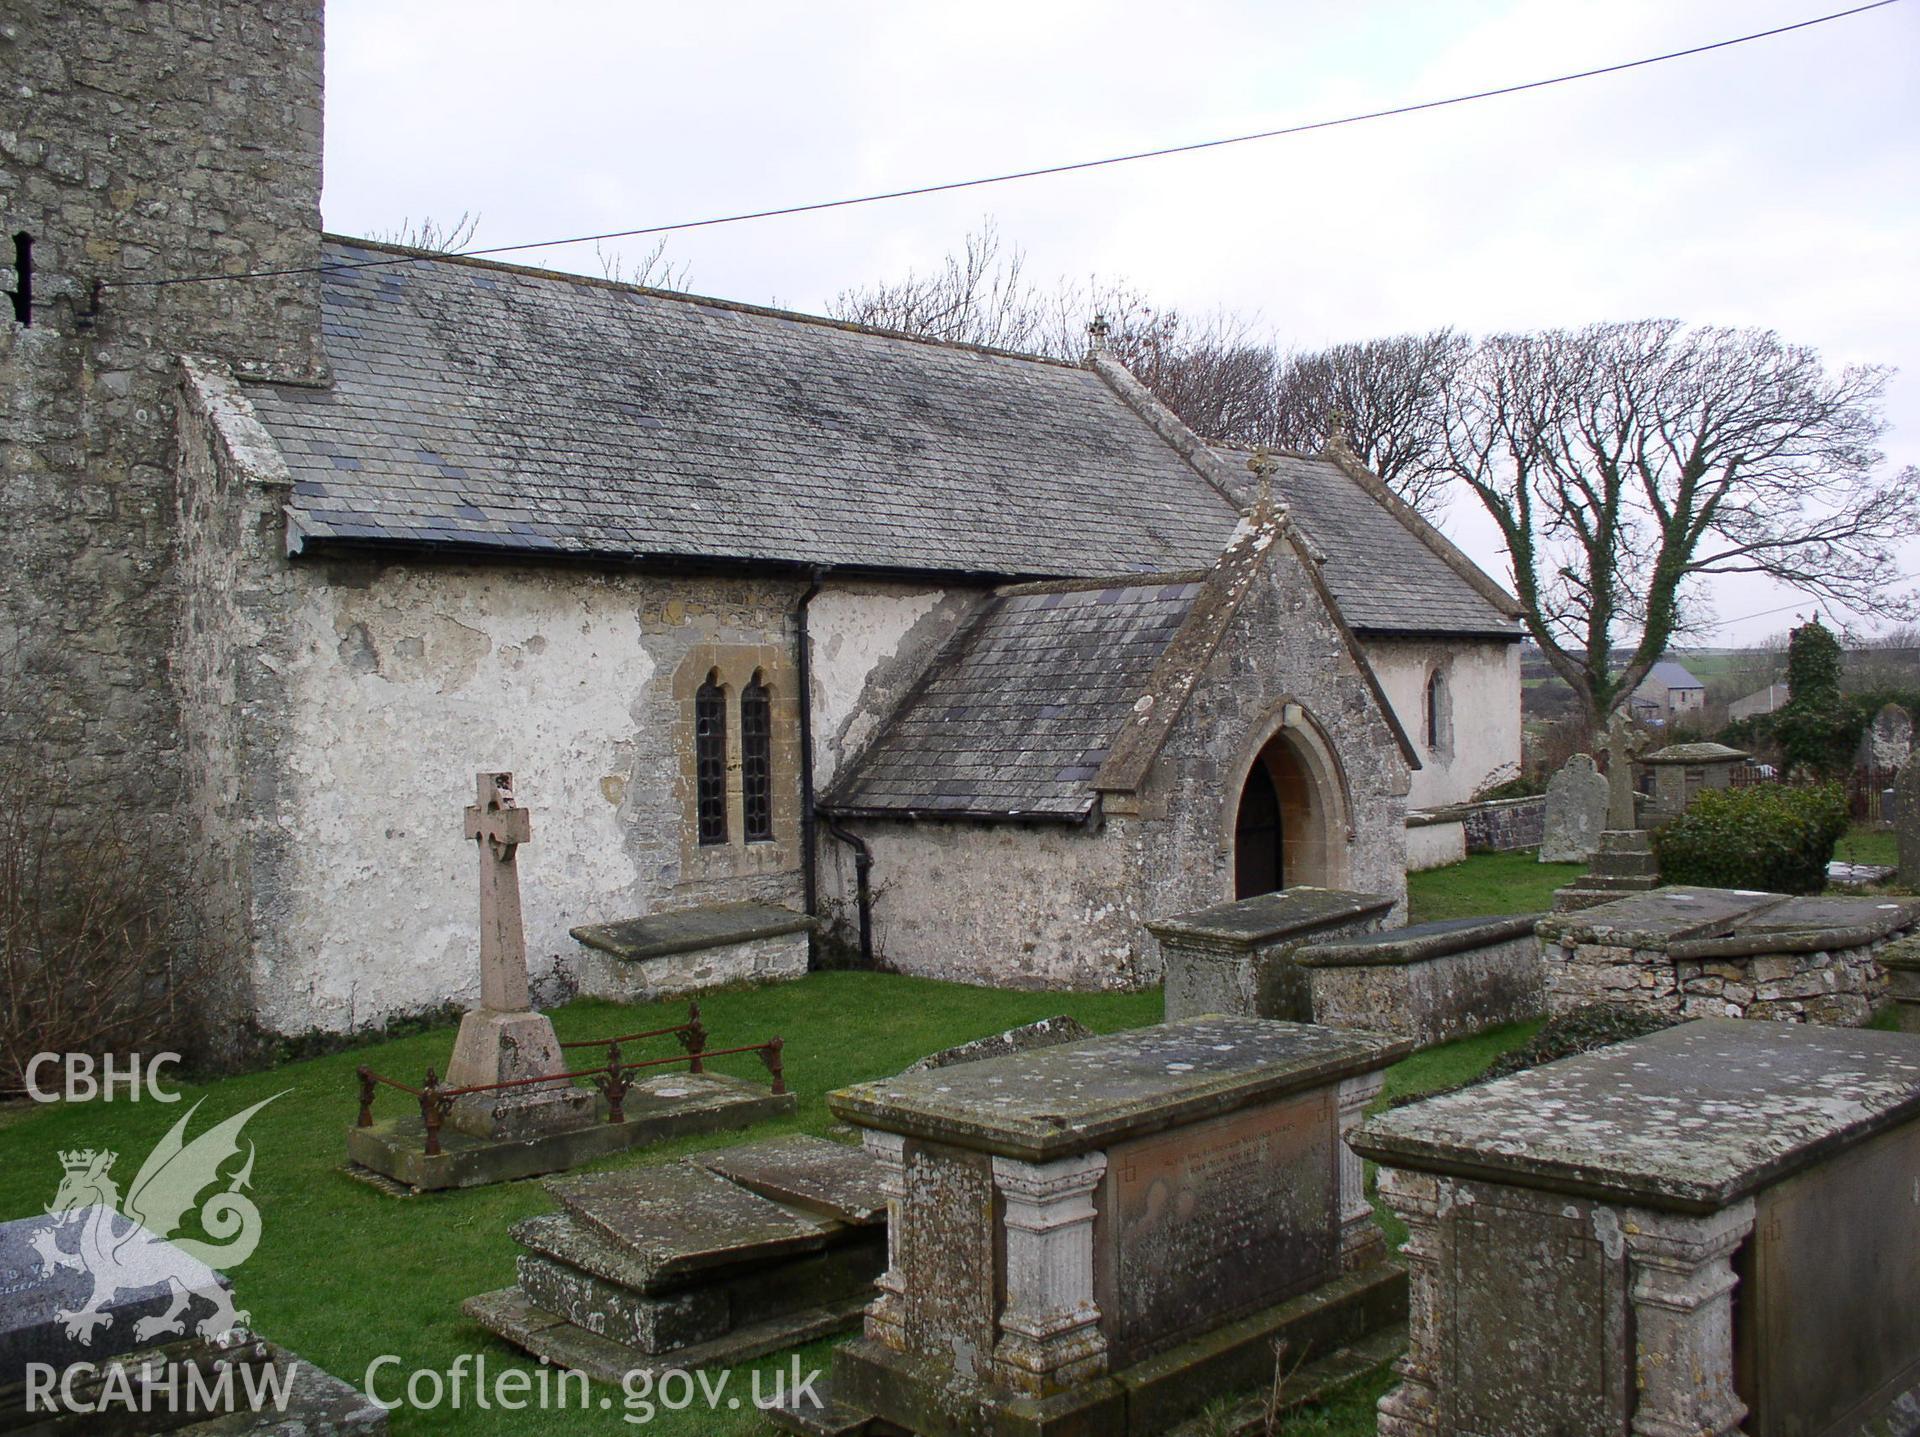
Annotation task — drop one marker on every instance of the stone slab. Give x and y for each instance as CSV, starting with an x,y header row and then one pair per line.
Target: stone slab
x,y
688,929
1657,917
683,1221
32,1294
1689,1119
1883,915
647,1322
828,1179
1043,1034
1417,943
781,958
783,1283
1079,1097
1183,1209
669,1106
1144,1397
1270,917
508,1314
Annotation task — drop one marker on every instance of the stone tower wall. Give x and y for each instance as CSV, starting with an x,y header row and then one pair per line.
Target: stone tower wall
x,y
139,139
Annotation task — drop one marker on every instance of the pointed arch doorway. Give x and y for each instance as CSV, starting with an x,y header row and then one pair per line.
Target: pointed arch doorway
x,y
1282,828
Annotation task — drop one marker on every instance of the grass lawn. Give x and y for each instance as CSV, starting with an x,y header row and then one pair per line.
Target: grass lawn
x,y
1487,883
344,1275
1868,844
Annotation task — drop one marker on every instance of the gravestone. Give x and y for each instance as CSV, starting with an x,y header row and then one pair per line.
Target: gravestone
x,y
1710,1230
537,1126
1577,802
1887,743
1682,772
1906,823
1624,861
1102,1235
150,1329
707,1262
1237,957
504,1040
1622,744
1722,952
36,1285
1042,1034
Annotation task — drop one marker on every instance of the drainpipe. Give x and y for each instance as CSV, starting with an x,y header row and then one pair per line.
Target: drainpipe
x,y
862,875
803,668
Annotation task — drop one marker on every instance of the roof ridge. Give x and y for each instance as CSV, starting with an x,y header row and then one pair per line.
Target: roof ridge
x,y
1417,524
686,297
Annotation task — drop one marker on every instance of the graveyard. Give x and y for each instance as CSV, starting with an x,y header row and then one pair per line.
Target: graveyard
x,y
348,1272
1074,867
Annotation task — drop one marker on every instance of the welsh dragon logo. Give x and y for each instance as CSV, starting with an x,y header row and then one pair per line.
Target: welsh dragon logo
x,y
129,1243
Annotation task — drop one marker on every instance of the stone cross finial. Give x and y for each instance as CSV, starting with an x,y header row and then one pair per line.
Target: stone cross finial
x,y
1264,467
1097,334
1339,428
498,827
1620,751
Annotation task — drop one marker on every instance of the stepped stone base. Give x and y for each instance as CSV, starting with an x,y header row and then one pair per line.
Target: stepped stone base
x,y
1624,864
1350,1325
670,1106
707,1262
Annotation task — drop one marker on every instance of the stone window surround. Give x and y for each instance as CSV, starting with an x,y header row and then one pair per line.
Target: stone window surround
x,y
736,665
1321,760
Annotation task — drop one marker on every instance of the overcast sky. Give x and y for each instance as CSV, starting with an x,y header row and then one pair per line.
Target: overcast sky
x,y
1774,184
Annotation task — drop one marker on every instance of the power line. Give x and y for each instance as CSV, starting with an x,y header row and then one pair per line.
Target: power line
x,y
949,186
1802,604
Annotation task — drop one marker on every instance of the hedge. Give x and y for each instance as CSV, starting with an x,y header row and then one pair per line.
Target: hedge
x,y
1770,836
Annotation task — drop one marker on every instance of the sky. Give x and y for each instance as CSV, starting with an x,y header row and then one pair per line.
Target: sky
x,y
1775,184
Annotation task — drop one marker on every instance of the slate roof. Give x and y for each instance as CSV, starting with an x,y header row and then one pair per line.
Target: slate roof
x,y
1386,577
1015,717
484,406
1673,675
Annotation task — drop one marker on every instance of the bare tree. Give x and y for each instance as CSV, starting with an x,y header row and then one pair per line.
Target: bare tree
x,y
430,235
978,296
1625,462
1387,397
1212,372
652,271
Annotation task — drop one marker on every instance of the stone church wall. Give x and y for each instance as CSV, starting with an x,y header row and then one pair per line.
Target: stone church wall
x,y
382,687
1041,905
136,140
1281,649
871,642
1057,906
1480,712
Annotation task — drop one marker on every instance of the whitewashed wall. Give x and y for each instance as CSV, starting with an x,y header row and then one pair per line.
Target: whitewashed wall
x,y
1481,738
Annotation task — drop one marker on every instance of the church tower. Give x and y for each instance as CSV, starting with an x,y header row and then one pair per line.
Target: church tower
x,y
141,141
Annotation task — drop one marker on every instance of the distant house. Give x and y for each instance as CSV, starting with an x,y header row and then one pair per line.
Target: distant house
x,y
1668,693
1764,701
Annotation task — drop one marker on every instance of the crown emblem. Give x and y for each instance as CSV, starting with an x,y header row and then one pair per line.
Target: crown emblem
x,y
82,1159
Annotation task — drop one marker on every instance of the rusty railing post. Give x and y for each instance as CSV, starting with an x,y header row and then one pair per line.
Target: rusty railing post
x,y
614,1084
770,1055
433,1109
693,1038
365,1119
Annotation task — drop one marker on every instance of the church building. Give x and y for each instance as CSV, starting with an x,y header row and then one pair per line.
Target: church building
x,y
983,655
